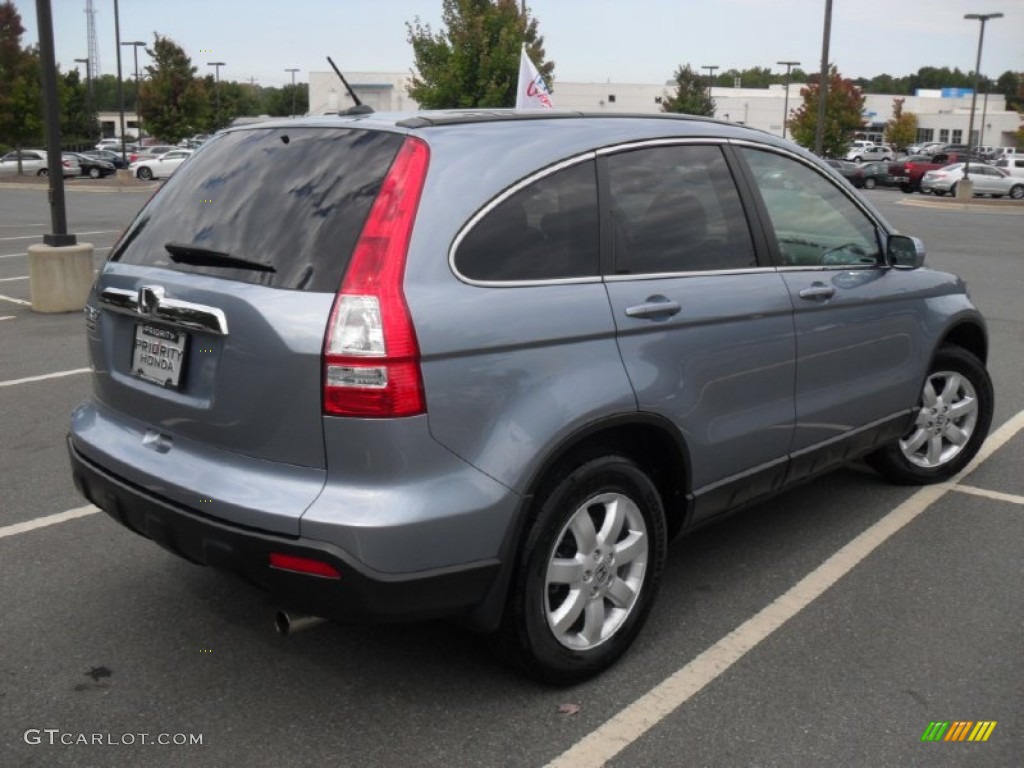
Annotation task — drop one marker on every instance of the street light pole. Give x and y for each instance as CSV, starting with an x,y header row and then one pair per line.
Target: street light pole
x,y
217,65
711,73
967,189
819,132
293,70
138,117
785,107
88,82
120,86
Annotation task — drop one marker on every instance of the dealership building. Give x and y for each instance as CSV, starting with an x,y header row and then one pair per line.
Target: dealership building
x,y
942,115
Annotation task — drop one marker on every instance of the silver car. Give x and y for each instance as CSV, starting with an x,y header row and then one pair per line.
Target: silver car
x,y
486,364
987,180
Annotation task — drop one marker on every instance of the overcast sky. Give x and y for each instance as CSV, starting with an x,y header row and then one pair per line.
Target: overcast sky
x,y
623,41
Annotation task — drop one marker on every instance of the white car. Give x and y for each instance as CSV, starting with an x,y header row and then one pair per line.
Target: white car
x,y
159,167
33,163
987,181
867,154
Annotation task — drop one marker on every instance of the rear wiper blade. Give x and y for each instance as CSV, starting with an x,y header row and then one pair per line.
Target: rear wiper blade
x,y
182,253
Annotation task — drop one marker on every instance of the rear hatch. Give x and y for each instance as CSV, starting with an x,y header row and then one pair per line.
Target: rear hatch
x,y
208,341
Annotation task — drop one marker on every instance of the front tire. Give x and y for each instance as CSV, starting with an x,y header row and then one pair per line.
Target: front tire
x,y
43,172
94,173
145,174
953,419
587,574
1017,192
869,183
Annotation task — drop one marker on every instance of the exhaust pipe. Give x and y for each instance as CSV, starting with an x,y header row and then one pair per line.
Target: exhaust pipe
x,y
286,623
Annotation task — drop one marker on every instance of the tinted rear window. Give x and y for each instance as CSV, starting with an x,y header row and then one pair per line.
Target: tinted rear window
x,y
292,199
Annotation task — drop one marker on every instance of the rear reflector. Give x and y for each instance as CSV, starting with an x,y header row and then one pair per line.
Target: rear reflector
x,y
304,565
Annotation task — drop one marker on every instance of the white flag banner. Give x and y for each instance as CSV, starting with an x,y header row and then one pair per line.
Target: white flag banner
x,y
532,93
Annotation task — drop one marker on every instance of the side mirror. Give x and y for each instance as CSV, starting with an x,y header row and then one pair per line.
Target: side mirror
x,y
905,252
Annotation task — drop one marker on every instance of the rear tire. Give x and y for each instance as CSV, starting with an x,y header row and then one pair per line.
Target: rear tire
x,y
94,173
1017,192
953,419
869,183
145,174
43,172
587,573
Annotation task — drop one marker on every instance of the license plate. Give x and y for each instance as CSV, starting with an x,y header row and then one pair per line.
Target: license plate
x,y
159,354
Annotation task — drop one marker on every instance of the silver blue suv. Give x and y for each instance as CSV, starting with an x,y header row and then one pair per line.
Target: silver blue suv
x,y
485,364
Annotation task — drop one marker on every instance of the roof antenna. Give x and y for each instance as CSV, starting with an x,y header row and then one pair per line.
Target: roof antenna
x,y
359,108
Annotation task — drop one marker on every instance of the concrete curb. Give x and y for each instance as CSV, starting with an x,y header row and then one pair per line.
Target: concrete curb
x,y
74,188
998,207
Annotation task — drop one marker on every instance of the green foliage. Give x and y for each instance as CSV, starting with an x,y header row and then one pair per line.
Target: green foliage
x,y
758,77
171,100
844,105
474,61
277,102
78,124
901,130
691,96
21,92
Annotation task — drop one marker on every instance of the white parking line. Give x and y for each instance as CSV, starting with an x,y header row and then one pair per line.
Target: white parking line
x,y
77,234
11,279
43,522
15,301
8,317
43,377
634,721
996,495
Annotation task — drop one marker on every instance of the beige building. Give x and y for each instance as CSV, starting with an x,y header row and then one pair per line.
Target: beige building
x,y
940,117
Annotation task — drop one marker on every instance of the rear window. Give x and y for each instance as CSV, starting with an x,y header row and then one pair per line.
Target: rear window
x,y
292,201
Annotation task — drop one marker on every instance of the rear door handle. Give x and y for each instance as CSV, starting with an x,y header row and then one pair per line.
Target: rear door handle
x,y
817,291
654,307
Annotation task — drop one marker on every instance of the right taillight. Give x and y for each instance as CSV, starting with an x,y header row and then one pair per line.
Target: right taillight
x,y
371,363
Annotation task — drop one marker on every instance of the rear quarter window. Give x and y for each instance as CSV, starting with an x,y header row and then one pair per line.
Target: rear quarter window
x,y
292,199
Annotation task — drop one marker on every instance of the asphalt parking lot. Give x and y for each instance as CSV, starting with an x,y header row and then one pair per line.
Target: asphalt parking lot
x,y
828,626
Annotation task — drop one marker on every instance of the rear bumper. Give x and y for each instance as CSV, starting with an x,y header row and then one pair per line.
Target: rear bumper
x,y
360,594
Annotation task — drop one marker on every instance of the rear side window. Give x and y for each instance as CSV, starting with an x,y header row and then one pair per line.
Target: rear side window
x,y
291,201
676,209
546,231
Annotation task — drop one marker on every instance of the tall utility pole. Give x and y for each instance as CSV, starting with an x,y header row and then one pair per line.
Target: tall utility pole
x,y
785,107
55,168
982,17
218,65
819,132
293,70
94,48
711,73
138,116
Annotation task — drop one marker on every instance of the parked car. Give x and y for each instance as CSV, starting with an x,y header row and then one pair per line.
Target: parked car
x,y
874,152
159,166
876,174
382,387
34,163
112,157
1012,164
93,167
851,171
909,171
150,152
987,180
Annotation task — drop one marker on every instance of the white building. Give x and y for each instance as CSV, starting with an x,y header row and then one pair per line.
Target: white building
x,y
941,116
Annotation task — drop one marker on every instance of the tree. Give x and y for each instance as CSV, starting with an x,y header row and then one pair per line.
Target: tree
x,y
692,95
78,124
901,130
474,61
844,107
277,102
171,99
21,92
